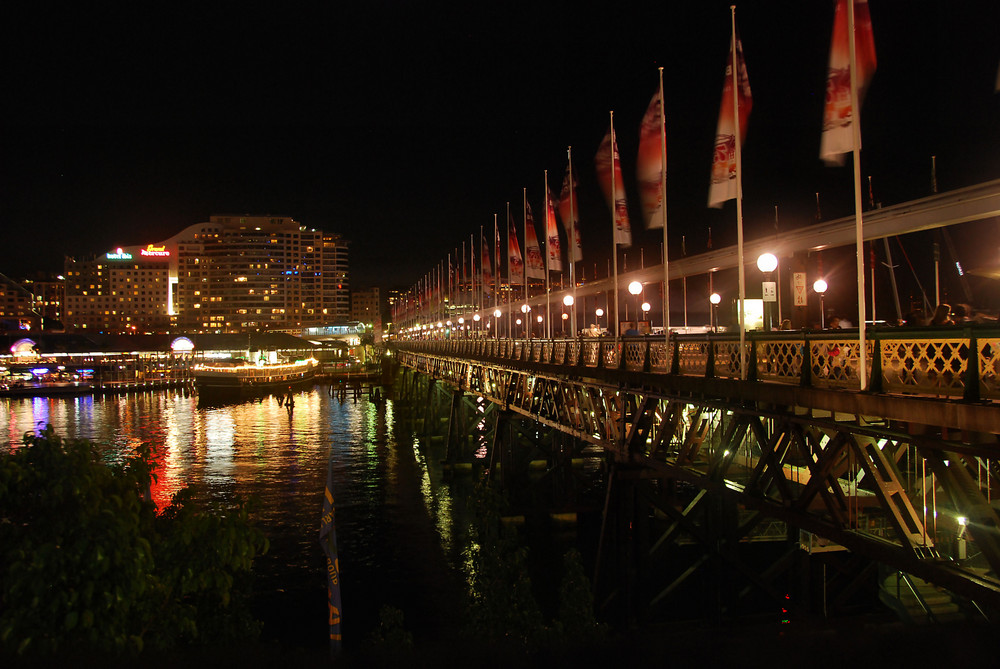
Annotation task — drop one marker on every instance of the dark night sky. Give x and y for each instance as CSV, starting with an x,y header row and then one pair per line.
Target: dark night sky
x,y
406,126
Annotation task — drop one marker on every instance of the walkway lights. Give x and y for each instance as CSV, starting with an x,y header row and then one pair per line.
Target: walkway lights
x,y
569,301
715,298
767,263
635,288
820,287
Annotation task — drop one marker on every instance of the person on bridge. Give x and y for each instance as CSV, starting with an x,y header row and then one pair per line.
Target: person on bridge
x,y
942,315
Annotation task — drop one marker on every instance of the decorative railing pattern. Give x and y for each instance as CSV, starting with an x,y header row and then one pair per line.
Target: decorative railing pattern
x,y
961,362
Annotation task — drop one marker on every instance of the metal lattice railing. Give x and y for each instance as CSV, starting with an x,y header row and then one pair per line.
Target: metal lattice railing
x,y
955,362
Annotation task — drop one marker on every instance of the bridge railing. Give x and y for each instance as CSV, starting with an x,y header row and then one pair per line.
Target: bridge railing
x,y
958,361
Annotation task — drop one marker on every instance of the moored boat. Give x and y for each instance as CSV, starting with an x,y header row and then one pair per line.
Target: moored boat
x,y
248,377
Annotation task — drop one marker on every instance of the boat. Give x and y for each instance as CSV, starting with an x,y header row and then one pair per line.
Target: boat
x,y
247,377
45,389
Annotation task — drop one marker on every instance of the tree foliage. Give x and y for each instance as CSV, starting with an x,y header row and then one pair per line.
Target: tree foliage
x,y
502,604
87,563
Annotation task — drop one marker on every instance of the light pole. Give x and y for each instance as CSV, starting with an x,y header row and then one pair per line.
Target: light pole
x,y
524,310
569,301
599,313
767,263
496,322
461,326
715,298
645,314
540,330
475,317
820,287
635,288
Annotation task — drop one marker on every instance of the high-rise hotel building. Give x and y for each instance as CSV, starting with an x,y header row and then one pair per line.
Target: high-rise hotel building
x,y
239,273
231,274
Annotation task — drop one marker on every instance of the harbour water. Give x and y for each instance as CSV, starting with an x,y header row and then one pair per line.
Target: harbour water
x,y
398,524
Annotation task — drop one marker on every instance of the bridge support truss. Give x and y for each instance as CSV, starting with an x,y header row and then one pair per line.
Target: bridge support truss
x,y
704,466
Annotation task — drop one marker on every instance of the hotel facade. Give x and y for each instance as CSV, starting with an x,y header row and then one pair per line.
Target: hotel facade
x,y
230,274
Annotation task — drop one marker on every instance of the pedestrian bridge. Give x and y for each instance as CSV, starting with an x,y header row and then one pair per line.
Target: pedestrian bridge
x,y
905,473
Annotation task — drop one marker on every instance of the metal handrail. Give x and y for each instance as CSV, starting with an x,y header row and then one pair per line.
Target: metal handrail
x,y
960,361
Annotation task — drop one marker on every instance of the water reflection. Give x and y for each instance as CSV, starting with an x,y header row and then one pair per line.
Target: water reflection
x,y
260,448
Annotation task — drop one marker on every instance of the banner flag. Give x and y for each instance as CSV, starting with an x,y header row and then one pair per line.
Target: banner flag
x,y
514,253
607,163
552,248
535,267
650,163
568,203
838,116
724,159
328,541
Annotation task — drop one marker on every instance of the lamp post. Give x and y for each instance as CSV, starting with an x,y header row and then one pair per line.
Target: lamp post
x,y
767,263
715,298
820,287
524,310
599,312
461,326
540,329
475,318
496,322
645,314
569,301
635,288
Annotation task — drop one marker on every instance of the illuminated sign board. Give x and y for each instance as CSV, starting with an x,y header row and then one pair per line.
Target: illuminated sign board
x,y
155,251
119,255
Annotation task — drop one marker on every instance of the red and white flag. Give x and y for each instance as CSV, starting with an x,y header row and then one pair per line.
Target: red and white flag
x,y
724,159
651,163
552,248
838,116
535,267
569,214
608,163
514,254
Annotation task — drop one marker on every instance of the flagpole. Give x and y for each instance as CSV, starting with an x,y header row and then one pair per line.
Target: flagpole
x,y
663,207
472,274
547,254
614,226
571,242
739,202
859,237
684,284
510,277
524,193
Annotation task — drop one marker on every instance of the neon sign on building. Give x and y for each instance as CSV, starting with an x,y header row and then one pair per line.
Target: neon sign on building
x,y
155,251
119,255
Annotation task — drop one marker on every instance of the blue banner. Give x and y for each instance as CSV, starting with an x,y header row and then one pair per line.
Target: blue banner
x,y
328,540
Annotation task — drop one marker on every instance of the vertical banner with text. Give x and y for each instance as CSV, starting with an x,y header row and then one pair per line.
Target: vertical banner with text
x,y
328,540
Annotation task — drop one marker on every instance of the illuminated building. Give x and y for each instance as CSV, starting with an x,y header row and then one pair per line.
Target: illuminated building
x,y
365,306
117,292
244,273
16,306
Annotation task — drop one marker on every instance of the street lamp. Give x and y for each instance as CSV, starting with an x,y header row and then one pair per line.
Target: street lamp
x,y
635,288
767,263
645,311
496,321
569,301
599,313
715,298
820,287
